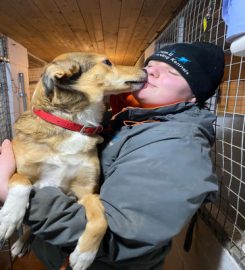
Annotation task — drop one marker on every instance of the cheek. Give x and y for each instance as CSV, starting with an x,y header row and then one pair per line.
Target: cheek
x,y
175,86
142,92
184,89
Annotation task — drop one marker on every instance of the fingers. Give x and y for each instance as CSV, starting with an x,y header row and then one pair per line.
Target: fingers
x,y
7,161
4,142
6,148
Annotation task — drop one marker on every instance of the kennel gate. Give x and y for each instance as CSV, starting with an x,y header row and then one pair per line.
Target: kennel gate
x,y
201,20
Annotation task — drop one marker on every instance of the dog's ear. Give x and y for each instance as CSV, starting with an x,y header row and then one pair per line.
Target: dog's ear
x,y
48,83
60,74
66,81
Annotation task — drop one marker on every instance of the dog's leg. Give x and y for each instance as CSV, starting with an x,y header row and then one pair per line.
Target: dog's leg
x,y
13,211
95,229
22,245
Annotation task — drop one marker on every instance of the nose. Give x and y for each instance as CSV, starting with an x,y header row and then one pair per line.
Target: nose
x,y
152,72
145,71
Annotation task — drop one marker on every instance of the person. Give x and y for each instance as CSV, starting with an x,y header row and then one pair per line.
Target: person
x,y
156,167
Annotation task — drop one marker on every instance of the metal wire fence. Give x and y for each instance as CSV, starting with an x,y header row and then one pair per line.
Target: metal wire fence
x,y
201,20
5,120
5,132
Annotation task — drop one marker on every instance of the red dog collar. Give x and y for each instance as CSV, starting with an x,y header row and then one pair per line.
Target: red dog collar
x,y
67,124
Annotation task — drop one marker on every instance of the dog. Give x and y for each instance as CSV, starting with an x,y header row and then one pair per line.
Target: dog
x,y
55,142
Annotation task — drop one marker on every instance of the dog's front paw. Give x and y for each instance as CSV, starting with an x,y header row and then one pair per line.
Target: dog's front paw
x,y
21,246
81,260
13,211
9,221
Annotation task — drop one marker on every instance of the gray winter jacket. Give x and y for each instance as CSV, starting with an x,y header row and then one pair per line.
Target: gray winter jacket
x,y
157,171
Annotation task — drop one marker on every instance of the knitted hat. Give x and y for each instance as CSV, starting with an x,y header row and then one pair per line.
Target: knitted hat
x,y
200,63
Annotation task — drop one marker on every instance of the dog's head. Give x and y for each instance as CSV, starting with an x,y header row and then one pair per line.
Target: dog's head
x,y
78,79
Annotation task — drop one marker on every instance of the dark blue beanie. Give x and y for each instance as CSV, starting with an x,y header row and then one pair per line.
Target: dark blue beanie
x,y
200,63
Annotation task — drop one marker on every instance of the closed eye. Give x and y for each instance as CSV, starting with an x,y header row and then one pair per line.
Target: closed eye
x,y
173,73
107,62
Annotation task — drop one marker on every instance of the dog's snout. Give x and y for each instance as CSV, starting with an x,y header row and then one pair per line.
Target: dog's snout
x,y
141,79
139,83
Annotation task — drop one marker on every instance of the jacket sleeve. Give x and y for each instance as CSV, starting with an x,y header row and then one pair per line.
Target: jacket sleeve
x,y
55,217
149,194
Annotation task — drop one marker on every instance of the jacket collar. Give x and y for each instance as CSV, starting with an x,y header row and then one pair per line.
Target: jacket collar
x,y
146,114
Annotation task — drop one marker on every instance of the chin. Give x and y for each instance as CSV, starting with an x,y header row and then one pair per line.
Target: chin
x,y
138,93
135,94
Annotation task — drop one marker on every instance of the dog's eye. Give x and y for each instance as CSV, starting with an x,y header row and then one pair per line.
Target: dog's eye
x,y
107,62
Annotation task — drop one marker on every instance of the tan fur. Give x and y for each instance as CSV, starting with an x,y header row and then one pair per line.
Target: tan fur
x,y
42,148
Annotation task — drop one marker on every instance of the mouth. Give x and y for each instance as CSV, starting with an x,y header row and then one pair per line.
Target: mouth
x,y
136,85
145,85
148,84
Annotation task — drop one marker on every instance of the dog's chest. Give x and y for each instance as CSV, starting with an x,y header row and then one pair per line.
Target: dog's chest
x,y
74,155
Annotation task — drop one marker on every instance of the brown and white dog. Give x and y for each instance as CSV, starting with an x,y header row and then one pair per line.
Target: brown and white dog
x,y
55,142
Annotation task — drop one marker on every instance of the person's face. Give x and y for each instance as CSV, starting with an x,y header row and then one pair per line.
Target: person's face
x,y
165,85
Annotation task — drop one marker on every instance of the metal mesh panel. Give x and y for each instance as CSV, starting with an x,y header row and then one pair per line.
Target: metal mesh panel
x,y
5,132
5,120
226,217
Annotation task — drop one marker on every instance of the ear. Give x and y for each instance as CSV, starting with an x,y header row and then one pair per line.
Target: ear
x,y
60,74
66,81
48,83
192,99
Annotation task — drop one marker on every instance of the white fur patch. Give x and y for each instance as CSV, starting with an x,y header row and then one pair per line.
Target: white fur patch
x,y
93,114
81,260
60,169
13,211
74,144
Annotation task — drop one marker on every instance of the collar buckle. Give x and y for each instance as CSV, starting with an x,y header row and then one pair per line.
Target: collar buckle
x,y
91,130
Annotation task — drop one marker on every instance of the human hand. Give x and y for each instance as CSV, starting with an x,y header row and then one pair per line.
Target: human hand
x,y
7,167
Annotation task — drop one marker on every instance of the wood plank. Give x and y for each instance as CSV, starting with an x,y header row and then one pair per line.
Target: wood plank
x,y
168,10
56,21
44,31
91,13
130,12
147,18
74,18
120,28
110,16
12,22
12,14
21,27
